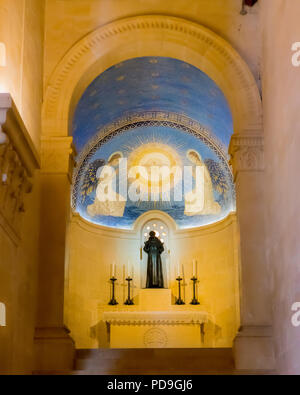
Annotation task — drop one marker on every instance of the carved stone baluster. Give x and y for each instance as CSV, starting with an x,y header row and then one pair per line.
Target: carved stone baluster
x,y
9,196
12,202
24,186
16,187
3,149
5,175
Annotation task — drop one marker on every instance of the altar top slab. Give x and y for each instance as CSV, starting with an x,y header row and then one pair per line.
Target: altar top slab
x,y
155,317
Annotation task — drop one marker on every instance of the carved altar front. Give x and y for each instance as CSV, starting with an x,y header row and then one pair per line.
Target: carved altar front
x,y
156,323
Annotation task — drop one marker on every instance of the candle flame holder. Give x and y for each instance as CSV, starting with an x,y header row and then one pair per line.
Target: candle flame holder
x,y
129,301
195,301
113,301
179,301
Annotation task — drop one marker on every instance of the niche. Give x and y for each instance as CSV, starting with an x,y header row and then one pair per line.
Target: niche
x,y
162,232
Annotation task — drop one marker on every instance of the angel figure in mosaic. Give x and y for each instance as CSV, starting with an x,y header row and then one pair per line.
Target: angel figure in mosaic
x,y
202,203
218,178
90,181
107,201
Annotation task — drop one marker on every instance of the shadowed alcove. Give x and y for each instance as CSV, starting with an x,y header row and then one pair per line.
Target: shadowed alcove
x,y
211,235
161,112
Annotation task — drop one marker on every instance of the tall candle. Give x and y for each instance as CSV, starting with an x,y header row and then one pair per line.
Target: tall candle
x,y
113,271
127,269
194,268
178,269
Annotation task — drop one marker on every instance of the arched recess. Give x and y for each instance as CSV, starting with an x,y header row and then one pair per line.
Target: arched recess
x,y
150,35
154,35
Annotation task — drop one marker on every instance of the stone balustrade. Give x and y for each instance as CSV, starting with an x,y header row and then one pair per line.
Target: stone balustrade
x,y
18,161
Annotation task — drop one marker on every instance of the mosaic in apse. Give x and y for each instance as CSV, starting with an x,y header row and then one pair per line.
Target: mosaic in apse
x,y
150,144
151,84
152,111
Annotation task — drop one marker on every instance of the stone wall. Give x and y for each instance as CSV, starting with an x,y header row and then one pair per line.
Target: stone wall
x,y
92,249
68,21
281,101
21,30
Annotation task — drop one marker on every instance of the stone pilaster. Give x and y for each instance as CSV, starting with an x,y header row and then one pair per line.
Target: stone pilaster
x,y
253,346
54,348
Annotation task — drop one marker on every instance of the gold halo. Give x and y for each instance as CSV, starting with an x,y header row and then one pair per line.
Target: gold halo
x,y
154,154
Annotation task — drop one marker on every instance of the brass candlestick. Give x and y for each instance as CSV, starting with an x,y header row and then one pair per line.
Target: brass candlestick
x,y
113,301
195,300
179,301
129,301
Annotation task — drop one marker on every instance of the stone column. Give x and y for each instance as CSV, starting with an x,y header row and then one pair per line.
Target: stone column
x,y
54,348
253,346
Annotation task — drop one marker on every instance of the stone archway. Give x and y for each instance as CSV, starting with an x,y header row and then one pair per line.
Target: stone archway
x,y
154,35
151,35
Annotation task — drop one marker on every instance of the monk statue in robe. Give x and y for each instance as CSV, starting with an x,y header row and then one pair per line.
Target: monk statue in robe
x,y
154,248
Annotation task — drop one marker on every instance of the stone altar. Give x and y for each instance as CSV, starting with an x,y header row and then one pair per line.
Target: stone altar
x,y
156,323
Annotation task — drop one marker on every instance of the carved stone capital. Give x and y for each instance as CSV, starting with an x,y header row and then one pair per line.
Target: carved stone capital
x,y
18,161
247,153
58,155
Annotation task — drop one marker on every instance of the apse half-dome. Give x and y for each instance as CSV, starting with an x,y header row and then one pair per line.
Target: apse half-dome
x,y
152,113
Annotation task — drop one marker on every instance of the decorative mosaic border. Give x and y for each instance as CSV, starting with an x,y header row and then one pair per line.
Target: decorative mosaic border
x,y
147,119
178,119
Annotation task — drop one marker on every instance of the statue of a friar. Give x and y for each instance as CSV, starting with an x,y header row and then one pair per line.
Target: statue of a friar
x,y
154,248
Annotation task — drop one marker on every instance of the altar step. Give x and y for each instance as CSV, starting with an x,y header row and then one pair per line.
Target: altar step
x,y
154,361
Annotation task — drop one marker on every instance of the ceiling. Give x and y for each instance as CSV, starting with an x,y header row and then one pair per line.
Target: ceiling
x,y
151,83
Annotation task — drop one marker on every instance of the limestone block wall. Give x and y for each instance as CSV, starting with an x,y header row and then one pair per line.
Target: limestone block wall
x,y
22,33
91,250
281,99
68,21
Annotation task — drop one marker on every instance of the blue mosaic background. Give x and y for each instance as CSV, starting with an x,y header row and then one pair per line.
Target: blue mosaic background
x,y
147,84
